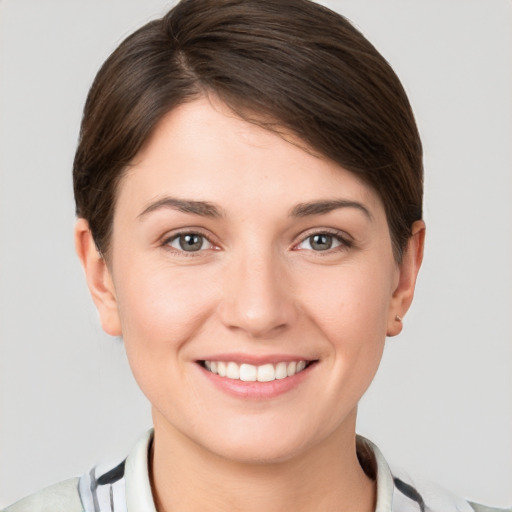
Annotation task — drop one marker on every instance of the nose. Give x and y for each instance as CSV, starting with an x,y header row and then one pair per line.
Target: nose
x,y
258,296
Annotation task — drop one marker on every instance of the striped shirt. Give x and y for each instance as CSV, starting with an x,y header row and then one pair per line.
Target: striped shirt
x,y
126,487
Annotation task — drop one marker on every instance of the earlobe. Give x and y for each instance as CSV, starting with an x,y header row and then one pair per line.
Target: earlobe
x,y
99,279
408,272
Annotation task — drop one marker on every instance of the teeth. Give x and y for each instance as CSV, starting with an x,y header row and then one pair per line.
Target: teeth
x,y
248,372
291,369
281,372
251,373
266,373
232,371
221,368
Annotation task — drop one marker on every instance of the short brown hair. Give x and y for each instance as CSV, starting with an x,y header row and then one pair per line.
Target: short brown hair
x,y
294,62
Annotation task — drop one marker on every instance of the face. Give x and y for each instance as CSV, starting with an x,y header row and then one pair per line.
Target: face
x,y
253,284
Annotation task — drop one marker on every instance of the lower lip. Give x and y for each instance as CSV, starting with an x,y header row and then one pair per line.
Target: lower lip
x,y
257,390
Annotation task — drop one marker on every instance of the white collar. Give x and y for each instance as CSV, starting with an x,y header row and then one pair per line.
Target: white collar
x,y
127,487
138,487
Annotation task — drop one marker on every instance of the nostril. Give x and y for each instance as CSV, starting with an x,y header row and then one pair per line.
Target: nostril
x,y
257,301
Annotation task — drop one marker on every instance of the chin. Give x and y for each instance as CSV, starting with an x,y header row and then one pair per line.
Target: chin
x,y
260,451
269,442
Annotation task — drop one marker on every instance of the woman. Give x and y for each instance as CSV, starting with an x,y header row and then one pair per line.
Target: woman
x,y
248,186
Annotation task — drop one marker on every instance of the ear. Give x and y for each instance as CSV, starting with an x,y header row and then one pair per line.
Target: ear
x,y
99,279
408,272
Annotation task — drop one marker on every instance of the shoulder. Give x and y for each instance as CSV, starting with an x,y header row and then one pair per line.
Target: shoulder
x,y
61,497
423,496
482,508
104,488
398,491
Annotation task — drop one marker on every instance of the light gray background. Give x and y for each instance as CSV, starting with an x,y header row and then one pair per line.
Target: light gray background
x,y
441,405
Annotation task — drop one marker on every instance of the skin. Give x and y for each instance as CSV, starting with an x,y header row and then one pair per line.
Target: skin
x,y
256,287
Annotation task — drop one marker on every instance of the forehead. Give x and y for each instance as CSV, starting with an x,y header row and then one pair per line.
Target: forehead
x,y
202,150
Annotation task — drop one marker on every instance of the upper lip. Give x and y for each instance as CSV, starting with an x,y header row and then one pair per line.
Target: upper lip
x,y
257,360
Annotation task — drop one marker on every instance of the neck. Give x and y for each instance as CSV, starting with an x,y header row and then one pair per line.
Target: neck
x,y
327,477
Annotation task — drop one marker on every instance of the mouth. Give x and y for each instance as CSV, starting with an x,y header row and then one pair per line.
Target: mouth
x,y
256,373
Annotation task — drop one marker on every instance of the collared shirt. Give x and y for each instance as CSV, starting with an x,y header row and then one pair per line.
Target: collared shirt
x,y
126,488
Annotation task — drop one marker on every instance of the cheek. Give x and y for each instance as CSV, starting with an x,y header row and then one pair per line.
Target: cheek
x,y
350,306
161,307
350,303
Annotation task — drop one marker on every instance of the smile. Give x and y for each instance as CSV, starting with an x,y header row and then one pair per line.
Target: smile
x,y
251,373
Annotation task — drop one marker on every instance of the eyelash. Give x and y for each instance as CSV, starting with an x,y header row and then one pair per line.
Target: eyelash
x,y
343,239
344,242
166,243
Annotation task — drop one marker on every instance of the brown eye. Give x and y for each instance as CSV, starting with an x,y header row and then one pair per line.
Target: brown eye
x,y
190,242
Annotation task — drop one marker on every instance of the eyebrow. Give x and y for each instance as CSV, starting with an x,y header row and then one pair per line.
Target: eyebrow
x,y
322,207
202,208
207,209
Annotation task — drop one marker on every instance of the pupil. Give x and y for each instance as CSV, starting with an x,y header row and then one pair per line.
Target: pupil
x,y
321,242
191,242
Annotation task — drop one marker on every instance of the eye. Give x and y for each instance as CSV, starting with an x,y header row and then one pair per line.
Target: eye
x,y
321,242
190,242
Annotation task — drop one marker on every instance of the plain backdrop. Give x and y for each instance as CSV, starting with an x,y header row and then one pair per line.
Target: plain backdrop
x,y
441,404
